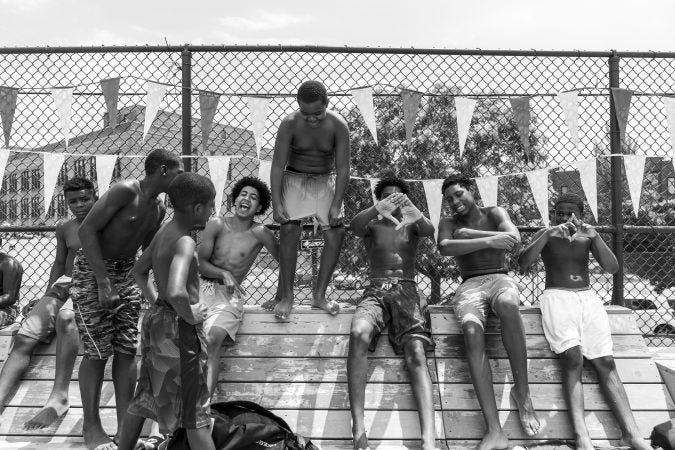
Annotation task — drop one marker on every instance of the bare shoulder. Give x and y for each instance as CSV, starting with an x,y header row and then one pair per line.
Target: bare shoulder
x,y
337,119
65,226
9,263
496,213
214,226
260,231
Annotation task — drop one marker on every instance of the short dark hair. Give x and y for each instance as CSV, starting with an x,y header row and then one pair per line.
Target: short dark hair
x,y
311,91
77,184
160,157
456,178
391,181
189,189
264,194
570,197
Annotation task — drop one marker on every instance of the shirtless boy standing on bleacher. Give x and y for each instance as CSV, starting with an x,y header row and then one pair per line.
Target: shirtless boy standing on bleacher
x,y
574,318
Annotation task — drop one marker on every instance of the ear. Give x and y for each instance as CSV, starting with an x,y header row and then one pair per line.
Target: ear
x,y
257,211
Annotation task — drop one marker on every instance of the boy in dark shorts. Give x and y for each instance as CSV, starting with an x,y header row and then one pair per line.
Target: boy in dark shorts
x,y
11,272
52,313
574,318
172,387
105,297
391,300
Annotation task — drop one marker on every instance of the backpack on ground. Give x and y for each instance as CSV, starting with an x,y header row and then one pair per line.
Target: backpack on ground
x,y
242,425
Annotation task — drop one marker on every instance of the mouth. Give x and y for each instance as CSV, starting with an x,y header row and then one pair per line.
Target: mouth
x,y
459,208
244,206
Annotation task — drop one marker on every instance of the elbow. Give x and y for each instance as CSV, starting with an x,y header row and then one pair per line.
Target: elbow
x,y
612,268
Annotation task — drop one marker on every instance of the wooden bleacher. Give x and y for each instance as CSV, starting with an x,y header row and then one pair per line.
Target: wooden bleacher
x,y
298,370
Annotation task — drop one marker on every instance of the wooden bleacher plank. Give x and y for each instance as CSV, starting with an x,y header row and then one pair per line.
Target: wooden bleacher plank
x,y
555,424
36,393
42,443
69,424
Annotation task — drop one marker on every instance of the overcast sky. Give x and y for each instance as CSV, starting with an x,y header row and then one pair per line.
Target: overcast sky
x,y
488,24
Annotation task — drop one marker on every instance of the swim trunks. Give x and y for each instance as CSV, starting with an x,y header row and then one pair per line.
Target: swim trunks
x,y
104,330
477,294
395,302
40,315
171,387
306,195
8,315
226,306
572,318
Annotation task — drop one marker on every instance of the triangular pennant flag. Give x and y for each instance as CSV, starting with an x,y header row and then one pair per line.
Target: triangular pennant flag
x,y
52,167
538,180
105,166
8,97
464,110
257,114
265,171
218,168
588,175
4,157
635,172
569,102
521,115
411,105
622,99
373,183
63,101
488,187
111,90
432,189
208,105
153,98
363,97
669,104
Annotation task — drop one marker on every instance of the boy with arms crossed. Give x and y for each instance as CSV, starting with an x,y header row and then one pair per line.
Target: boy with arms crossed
x,y
574,318
226,253
105,296
391,299
172,384
53,313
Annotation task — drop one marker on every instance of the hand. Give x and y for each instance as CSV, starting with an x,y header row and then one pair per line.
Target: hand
x,y
409,211
462,233
504,241
334,217
108,297
565,230
583,229
199,311
280,214
229,281
386,208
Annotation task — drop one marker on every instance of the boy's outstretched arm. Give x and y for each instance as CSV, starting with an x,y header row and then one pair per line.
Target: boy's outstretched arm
x,y
529,254
59,267
269,241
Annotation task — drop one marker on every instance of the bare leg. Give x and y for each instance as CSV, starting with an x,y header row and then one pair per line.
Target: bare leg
x,y
124,379
416,361
67,341
481,376
91,380
214,340
130,431
15,366
513,336
329,257
288,258
201,439
618,400
357,377
572,362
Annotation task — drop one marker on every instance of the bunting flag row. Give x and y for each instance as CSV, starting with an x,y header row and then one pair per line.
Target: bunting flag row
x,y
258,109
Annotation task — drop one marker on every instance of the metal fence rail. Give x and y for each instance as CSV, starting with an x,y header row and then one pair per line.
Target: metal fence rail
x,y
643,244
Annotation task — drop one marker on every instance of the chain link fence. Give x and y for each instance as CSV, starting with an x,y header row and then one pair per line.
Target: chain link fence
x,y
644,242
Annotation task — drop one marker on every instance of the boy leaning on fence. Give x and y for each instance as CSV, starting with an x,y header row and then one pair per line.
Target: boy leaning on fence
x,y
172,387
575,322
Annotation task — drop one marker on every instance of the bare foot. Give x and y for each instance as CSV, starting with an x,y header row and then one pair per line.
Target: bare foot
x,y
584,443
493,440
361,441
330,306
283,309
528,417
47,415
96,439
635,442
270,304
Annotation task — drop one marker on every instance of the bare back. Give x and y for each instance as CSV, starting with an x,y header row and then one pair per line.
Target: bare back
x,y
312,150
233,250
566,262
164,248
391,252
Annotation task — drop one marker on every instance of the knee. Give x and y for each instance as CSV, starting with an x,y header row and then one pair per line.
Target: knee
x,y
65,321
472,331
605,364
289,232
213,342
415,356
360,337
507,306
572,359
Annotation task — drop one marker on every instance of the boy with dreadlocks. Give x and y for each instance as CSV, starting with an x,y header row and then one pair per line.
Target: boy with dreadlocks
x,y
228,249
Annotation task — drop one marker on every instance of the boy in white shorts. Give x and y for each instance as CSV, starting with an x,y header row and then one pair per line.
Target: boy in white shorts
x,y
227,251
574,318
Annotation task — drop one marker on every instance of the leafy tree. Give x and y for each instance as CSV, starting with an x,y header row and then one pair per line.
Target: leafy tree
x,y
493,147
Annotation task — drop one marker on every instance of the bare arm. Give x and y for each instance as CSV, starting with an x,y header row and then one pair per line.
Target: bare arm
x,y
12,271
141,273
449,246
601,252
451,241
176,289
342,159
151,234
282,147
359,224
205,250
269,241
529,254
59,267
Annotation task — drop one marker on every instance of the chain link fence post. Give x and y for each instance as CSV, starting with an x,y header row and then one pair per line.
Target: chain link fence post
x,y
186,99
616,182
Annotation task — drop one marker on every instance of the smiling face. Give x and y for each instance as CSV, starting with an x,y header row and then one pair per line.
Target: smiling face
x,y
247,203
459,198
80,202
564,211
312,113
